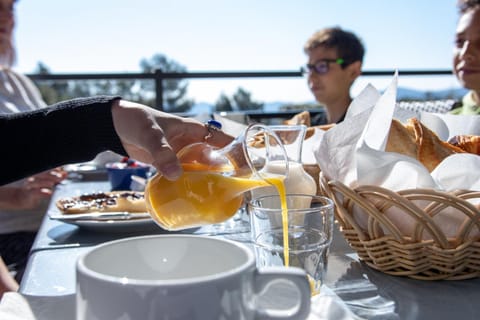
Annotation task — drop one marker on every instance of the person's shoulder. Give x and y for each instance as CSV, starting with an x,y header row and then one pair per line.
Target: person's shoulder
x,y
467,106
13,73
457,108
17,79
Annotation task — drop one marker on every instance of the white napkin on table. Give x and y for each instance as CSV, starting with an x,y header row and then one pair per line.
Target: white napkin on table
x,y
328,306
15,306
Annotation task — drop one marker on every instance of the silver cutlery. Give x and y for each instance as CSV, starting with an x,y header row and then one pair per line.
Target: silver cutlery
x,y
102,216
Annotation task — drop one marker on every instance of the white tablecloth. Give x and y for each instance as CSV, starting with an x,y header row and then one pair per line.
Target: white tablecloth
x,y
15,306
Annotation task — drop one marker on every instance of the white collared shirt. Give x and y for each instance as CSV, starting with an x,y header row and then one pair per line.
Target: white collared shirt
x,y
18,93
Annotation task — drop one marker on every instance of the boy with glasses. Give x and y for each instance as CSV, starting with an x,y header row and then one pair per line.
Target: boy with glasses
x,y
335,58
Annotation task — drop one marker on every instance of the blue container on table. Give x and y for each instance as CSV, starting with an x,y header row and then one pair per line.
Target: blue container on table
x,y
120,175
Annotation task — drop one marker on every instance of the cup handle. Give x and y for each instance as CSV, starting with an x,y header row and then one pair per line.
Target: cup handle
x,y
296,277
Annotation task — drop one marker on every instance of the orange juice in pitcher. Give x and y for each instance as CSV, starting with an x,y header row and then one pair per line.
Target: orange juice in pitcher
x,y
214,181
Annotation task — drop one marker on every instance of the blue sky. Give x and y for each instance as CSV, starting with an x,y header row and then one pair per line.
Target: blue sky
x,y
228,35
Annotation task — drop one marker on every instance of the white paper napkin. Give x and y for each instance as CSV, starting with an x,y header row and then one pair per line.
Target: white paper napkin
x,y
353,151
328,306
15,306
448,125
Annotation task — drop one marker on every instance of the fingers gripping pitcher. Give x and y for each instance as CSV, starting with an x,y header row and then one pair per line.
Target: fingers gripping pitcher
x,y
214,180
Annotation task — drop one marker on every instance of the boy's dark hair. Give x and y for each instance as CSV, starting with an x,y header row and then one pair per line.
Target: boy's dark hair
x,y
349,47
465,5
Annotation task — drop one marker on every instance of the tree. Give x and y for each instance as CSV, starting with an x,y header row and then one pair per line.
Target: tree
x,y
223,104
243,101
240,101
57,90
174,90
142,91
52,91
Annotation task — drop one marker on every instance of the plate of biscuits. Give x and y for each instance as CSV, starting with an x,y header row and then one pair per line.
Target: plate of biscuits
x,y
111,211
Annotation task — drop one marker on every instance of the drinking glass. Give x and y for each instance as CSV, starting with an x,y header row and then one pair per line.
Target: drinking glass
x,y
299,236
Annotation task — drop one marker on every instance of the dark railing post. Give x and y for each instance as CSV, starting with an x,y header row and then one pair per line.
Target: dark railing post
x,y
159,89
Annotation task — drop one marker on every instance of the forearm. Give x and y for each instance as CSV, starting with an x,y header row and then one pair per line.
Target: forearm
x,y
8,197
71,131
7,282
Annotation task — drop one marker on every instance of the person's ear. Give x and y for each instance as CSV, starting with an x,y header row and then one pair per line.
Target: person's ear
x,y
355,70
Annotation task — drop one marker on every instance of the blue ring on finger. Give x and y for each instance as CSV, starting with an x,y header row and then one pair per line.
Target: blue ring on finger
x,y
212,126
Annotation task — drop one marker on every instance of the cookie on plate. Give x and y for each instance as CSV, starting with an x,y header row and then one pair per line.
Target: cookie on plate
x,y
129,201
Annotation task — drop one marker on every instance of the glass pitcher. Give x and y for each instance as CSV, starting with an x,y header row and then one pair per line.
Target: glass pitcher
x,y
298,180
214,181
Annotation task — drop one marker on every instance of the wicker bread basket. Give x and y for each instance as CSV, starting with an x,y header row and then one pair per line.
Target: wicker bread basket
x,y
382,245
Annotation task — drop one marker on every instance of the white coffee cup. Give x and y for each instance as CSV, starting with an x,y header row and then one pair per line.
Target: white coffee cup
x,y
182,277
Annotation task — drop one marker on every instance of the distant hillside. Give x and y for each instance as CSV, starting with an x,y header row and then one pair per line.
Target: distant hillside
x,y
412,94
402,94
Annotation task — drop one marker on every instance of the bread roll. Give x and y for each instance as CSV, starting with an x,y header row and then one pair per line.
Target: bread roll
x,y
300,118
419,142
401,139
468,143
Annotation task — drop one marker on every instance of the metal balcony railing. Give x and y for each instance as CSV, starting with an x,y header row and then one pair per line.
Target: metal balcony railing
x,y
158,76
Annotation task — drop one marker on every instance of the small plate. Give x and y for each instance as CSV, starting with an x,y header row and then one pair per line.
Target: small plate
x,y
82,167
85,171
107,225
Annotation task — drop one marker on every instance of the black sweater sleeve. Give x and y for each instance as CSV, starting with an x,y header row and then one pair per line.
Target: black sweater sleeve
x,y
68,132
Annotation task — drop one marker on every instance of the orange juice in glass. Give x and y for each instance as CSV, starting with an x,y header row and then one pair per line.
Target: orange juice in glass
x,y
308,233
214,181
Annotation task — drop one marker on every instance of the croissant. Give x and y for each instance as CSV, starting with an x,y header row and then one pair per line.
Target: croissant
x,y
401,139
432,150
305,118
468,143
324,127
419,142
413,140
300,118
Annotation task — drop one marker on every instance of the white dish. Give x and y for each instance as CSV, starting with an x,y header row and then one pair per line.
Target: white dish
x,y
85,171
111,225
82,167
97,164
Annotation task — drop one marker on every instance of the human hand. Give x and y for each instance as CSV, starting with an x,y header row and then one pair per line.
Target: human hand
x,y
154,137
30,192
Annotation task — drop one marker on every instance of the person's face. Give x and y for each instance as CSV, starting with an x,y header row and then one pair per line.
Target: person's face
x,y
333,85
466,54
